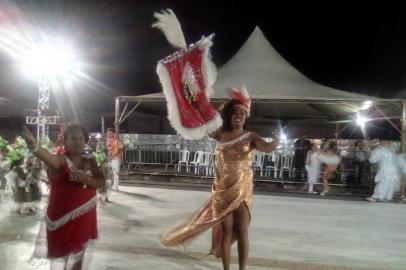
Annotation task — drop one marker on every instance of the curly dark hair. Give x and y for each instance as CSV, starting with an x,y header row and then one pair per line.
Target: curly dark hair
x,y
226,112
332,146
72,128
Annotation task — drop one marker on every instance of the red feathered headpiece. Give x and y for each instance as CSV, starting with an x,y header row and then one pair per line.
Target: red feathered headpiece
x,y
242,96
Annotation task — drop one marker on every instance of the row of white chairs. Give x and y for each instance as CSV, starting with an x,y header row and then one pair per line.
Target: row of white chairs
x,y
277,163
201,161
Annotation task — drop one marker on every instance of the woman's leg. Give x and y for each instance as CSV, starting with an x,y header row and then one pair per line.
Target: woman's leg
x,y
58,264
227,226
242,217
75,261
311,187
326,175
330,169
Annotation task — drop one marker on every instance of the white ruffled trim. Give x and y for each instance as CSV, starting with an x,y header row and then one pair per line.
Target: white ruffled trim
x,y
209,76
243,136
81,210
329,160
209,70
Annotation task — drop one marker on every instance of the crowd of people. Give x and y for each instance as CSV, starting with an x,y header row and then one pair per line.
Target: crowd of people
x,y
21,174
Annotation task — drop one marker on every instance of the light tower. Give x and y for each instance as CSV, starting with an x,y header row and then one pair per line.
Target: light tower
x,y
51,62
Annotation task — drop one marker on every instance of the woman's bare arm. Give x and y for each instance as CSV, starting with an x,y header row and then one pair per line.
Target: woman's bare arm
x,y
54,162
263,146
216,134
97,180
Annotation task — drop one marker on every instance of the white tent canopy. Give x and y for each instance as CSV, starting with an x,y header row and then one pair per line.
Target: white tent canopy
x,y
269,78
268,75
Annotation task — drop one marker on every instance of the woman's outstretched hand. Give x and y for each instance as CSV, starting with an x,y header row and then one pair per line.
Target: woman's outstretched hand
x,y
28,137
276,134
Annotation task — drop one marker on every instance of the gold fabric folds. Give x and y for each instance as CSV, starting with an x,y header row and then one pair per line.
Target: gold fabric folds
x,y
232,186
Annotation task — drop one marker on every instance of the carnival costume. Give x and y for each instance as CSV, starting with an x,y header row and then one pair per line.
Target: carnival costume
x,y
232,186
71,213
187,79
313,167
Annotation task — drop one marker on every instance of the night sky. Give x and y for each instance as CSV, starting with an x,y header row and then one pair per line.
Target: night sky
x,y
358,47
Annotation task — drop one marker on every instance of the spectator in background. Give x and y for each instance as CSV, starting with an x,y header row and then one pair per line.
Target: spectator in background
x,y
402,167
360,161
4,166
302,146
115,151
313,166
387,179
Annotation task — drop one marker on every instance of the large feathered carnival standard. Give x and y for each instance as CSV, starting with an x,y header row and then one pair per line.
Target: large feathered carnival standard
x,y
187,79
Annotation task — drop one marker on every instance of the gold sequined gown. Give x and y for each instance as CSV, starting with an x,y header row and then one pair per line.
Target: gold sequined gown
x,y
232,186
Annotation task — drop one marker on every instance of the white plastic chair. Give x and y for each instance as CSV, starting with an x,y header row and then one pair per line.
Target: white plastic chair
x,y
273,158
212,164
207,159
183,159
197,159
286,161
259,161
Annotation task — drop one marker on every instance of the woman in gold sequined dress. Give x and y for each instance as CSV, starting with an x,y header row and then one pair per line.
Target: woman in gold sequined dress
x,y
227,212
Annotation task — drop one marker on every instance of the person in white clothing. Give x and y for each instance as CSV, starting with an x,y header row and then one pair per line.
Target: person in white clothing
x,y
115,151
330,158
401,158
387,179
313,165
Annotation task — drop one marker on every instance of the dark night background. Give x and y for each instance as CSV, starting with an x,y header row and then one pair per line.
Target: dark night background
x,y
357,46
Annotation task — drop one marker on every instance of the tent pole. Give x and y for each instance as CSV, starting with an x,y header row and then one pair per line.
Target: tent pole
x,y
403,146
403,133
102,125
117,115
337,130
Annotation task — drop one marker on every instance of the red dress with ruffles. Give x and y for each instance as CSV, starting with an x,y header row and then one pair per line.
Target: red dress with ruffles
x,y
71,215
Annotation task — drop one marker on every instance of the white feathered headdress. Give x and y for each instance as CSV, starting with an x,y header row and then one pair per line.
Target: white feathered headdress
x,y
242,96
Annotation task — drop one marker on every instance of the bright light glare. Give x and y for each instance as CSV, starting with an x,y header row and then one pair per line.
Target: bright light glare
x,y
366,104
361,120
283,136
50,59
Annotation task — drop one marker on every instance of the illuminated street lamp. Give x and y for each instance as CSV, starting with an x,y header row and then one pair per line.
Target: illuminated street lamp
x,y
361,120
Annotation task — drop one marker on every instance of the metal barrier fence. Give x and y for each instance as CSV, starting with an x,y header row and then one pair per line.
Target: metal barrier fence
x,y
144,149
164,150
152,154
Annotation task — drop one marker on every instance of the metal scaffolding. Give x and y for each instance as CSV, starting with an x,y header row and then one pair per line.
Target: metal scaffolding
x,y
42,120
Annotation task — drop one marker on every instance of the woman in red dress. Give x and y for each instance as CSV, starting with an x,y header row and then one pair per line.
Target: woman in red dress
x,y
71,214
